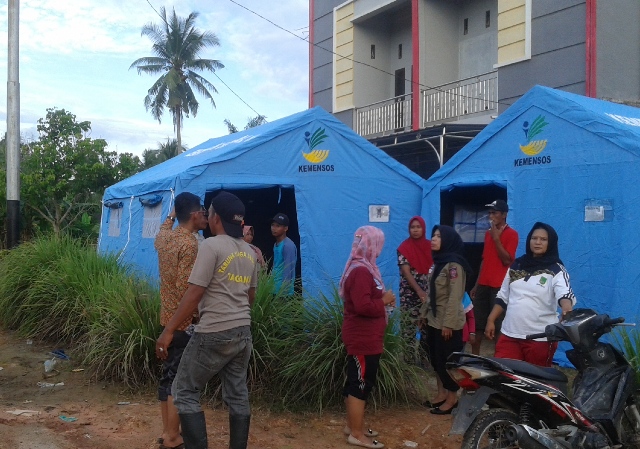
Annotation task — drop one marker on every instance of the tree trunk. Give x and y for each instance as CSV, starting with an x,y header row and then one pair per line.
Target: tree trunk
x,y
179,131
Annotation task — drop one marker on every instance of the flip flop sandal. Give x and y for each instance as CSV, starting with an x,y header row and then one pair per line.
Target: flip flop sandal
x,y
367,433
356,442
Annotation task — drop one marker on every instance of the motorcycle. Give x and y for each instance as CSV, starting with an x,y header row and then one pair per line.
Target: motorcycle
x,y
510,403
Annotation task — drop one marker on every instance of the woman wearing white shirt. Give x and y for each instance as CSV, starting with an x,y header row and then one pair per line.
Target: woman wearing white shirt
x,y
536,285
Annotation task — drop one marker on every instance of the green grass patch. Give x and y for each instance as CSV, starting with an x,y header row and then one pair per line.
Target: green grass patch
x,y
61,291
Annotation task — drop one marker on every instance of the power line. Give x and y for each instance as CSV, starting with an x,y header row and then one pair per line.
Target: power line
x,y
360,62
263,117
216,75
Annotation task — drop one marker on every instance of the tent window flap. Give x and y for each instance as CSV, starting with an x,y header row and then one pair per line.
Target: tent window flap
x,y
152,220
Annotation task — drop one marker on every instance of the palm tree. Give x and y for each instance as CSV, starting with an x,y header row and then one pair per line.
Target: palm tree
x,y
164,152
177,45
252,123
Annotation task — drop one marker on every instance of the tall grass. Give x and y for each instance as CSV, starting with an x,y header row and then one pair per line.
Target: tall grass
x,y
629,341
60,290
299,343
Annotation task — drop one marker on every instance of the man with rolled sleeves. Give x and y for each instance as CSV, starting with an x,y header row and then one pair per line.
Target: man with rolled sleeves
x,y
500,244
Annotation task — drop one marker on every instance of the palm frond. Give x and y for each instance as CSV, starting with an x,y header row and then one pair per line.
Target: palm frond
x,y
177,45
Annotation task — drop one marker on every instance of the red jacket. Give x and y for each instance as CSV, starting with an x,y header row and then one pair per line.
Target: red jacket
x,y
364,314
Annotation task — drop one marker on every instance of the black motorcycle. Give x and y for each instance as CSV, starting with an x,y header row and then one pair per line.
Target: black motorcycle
x,y
510,403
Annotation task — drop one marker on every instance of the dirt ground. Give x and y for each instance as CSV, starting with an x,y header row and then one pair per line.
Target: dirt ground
x,y
108,418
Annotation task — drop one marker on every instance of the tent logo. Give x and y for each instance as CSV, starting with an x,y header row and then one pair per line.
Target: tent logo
x,y
315,155
313,140
533,147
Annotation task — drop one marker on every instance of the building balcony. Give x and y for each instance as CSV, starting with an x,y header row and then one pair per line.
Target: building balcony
x,y
384,117
463,99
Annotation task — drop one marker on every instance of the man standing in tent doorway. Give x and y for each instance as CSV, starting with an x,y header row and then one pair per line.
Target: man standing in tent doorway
x,y
177,249
500,244
285,256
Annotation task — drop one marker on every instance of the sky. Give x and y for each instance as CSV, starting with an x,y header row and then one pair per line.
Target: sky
x,y
75,55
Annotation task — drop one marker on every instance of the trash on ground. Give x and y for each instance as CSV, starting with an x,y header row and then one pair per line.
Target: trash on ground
x,y
50,385
23,412
49,364
67,418
29,342
408,443
60,354
425,429
86,435
77,370
124,403
1,368
27,402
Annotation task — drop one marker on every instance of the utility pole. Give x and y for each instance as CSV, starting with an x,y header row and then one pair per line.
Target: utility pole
x,y
13,128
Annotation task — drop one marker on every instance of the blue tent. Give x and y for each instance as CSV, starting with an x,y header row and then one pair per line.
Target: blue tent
x,y
328,179
573,162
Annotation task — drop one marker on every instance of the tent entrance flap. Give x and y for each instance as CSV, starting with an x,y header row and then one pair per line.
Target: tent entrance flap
x,y
261,205
463,207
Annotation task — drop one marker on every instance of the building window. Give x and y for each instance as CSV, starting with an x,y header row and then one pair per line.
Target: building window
x,y
466,27
400,51
487,19
373,51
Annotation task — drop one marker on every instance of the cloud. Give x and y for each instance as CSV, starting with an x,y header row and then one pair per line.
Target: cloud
x,y
75,54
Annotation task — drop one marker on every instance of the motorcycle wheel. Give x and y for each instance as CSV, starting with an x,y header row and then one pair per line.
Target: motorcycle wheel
x,y
488,430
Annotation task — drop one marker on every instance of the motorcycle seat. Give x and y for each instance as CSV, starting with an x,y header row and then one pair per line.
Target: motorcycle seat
x,y
535,371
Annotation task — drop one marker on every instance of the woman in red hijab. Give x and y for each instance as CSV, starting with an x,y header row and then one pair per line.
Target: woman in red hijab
x,y
415,261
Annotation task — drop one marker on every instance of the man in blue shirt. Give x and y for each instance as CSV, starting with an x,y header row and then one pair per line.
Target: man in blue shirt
x,y
285,255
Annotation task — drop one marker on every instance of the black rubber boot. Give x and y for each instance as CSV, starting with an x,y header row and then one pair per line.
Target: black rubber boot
x,y
194,430
239,431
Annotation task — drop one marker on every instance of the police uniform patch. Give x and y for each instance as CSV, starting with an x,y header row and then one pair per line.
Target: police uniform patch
x,y
453,273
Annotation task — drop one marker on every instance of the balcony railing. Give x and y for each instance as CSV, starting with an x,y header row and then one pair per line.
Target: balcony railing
x,y
384,117
466,97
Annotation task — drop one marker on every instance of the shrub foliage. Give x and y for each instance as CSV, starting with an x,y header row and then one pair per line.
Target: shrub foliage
x,y
60,290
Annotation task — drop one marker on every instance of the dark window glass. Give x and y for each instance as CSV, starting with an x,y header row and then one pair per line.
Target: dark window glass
x,y
487,19
373,51
400,51
466,27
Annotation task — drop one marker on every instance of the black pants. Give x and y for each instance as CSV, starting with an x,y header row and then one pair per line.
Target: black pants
x,y
439,350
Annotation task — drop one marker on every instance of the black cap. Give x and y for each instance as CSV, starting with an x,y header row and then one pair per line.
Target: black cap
x,y
281,219
499,205
231,212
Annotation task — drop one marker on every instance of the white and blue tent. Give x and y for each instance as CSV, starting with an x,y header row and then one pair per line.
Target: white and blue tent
x,y
570,161
328,179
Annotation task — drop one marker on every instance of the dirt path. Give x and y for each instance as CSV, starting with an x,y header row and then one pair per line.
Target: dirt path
x,y
104,424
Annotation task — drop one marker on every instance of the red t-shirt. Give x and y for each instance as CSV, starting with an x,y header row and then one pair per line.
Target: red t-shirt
x,y
493,271
364,314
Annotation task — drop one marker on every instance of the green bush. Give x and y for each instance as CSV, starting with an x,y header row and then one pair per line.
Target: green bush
x,y
299,345
60,290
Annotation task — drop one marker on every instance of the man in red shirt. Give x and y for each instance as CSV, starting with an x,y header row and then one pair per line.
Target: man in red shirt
x,y
500,244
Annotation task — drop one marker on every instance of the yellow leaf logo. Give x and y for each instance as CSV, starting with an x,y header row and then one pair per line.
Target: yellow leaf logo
x,y
534,147
313,140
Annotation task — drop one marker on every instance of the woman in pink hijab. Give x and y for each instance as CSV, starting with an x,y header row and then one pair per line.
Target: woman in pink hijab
x,y
365,319
247,232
